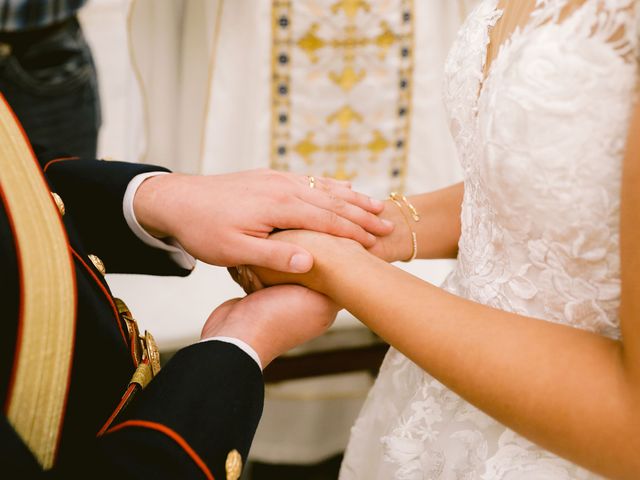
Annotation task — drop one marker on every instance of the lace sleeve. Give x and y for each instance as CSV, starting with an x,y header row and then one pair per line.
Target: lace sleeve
x,y
616,22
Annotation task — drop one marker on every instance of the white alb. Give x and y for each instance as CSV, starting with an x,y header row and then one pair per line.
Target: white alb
x,y
541,141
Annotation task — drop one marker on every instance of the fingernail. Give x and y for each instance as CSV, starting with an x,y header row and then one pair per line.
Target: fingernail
x,y
376,203
300,263
388,223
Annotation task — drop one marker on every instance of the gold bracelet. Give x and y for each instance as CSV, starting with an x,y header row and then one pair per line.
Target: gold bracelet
x,y
397,197
414,238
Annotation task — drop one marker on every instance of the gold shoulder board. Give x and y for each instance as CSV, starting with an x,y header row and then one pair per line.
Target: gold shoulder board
x,y
40,377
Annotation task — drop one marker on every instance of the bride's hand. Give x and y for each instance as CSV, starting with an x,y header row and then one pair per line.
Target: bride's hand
x,y
398,244
329,252
393,247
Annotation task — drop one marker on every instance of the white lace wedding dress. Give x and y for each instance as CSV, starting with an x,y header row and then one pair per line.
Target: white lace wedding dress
x,y
541,140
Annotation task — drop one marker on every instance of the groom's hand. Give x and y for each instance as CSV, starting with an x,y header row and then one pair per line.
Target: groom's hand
x,y
226,219
274,320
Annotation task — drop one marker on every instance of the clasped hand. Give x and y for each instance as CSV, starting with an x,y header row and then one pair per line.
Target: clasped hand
x,y
226,220
299,311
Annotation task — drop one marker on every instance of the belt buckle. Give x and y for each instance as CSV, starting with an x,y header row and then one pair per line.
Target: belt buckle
x,y
143,347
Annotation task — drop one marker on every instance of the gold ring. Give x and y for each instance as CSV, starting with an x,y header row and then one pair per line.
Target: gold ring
x,y
312,182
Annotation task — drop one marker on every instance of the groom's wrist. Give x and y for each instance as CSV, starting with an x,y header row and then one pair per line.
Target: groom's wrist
x,y
152,204
238,342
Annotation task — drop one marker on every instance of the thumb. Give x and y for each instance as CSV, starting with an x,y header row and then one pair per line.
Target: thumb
x,y
277,255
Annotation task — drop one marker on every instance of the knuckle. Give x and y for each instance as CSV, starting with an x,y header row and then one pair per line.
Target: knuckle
x,y
226,254
369,220
358,198
349,197
282,198
273,175
333,220
337,204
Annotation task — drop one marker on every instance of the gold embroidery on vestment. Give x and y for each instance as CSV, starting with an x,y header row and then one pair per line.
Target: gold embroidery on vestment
x,y
342,74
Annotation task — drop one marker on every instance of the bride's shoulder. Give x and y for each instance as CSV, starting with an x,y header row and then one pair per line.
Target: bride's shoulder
x,y
614,22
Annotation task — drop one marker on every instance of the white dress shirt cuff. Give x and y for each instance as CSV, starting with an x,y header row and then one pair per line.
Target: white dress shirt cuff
x,y
245,347
169,245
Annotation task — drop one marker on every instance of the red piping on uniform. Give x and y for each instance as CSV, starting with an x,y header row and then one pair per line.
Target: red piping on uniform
x,y
56,160
118,409
104,290
171,434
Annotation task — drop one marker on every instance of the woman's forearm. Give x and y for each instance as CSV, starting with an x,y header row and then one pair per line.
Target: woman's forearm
x,y
566,389
438,230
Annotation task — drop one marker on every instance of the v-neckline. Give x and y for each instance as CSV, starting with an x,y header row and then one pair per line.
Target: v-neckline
x,y
497,15
520,25
485,71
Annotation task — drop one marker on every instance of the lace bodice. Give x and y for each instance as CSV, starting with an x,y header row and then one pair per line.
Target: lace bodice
x,y
541,140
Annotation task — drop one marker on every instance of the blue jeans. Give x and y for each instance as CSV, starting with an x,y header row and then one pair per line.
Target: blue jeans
x,y
49,79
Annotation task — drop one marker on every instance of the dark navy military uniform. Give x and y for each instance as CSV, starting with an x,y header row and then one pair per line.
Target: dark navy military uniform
x,y
205,402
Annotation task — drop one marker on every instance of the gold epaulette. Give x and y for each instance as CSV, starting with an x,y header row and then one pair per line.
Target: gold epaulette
x,y
44,350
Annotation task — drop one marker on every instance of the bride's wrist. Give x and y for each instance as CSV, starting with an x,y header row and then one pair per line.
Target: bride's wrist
x,y
331,256
400,243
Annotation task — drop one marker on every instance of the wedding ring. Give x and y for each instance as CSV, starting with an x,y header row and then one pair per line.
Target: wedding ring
x,y
312,182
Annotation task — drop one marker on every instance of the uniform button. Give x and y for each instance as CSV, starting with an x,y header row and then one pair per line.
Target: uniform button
x,y
99,264
5,50
152,352
59,202
233,465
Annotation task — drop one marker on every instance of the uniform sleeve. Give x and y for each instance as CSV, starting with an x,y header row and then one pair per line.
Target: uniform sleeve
x,y
206,402
93,193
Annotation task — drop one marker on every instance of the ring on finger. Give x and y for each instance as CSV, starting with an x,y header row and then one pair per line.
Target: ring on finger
x,y
312,182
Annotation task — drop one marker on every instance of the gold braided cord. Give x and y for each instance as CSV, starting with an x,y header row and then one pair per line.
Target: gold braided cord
x,y
36,402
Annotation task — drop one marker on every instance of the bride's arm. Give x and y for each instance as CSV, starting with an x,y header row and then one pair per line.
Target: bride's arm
x,y
573,392
437,232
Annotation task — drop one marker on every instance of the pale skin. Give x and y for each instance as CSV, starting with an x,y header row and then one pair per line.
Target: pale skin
x,y
234,215
225,219
572,392
268,320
